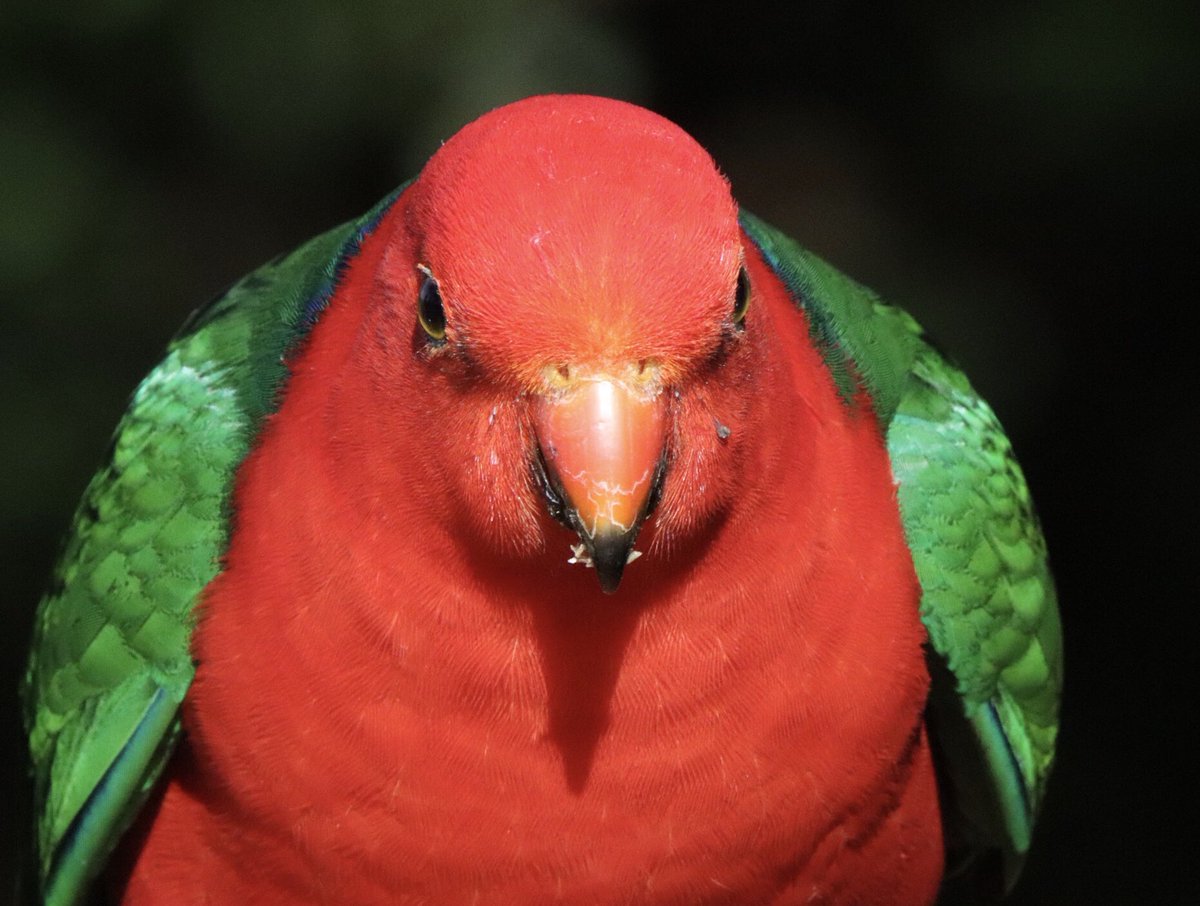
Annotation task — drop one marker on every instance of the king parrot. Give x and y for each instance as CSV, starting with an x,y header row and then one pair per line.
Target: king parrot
x,y
327,627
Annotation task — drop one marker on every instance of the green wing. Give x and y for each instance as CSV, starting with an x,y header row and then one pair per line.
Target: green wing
x,y
988,600
110,662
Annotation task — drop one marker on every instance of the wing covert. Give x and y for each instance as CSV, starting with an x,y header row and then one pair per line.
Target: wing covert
x,y
110,662
988,599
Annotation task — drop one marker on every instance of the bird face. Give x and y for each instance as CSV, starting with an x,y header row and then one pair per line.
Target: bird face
x,y
576,283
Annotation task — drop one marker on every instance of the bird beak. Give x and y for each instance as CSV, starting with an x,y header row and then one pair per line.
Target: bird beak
x,y
602,445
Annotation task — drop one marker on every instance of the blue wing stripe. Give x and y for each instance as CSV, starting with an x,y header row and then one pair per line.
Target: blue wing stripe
x,y
1014,795
319,300
91,834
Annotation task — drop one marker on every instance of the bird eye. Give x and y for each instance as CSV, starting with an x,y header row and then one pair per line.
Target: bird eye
x,y
429,307
741,299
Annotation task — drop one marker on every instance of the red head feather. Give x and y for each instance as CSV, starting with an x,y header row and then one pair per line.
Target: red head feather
x,y
574,229
405,693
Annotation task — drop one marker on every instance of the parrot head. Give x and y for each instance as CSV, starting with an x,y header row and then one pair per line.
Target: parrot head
x,y
573,273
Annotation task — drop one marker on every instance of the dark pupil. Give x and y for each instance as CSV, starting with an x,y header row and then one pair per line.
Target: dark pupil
x,y
430,302
742,298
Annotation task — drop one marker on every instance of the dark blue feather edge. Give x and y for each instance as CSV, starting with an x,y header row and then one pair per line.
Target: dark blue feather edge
x,y
99,816
319,301
99,813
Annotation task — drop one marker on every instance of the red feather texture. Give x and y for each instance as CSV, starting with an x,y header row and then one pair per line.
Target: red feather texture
x,y
406,694
557,239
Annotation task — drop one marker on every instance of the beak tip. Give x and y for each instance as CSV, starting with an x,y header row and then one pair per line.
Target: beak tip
x,y
609,588
610,553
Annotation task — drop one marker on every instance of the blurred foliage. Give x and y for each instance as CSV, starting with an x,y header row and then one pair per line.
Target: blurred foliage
x,y
1018,175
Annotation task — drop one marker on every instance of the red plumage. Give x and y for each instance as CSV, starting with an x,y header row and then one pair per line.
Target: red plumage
x,y
406,695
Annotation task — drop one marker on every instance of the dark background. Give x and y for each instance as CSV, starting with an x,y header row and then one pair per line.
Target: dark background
x,y
1014,174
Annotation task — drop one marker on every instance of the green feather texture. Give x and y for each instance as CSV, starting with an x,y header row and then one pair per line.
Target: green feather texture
x,y
110,662
988,600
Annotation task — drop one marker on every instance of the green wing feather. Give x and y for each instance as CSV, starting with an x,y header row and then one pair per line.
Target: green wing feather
x,y
988,600
110,662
